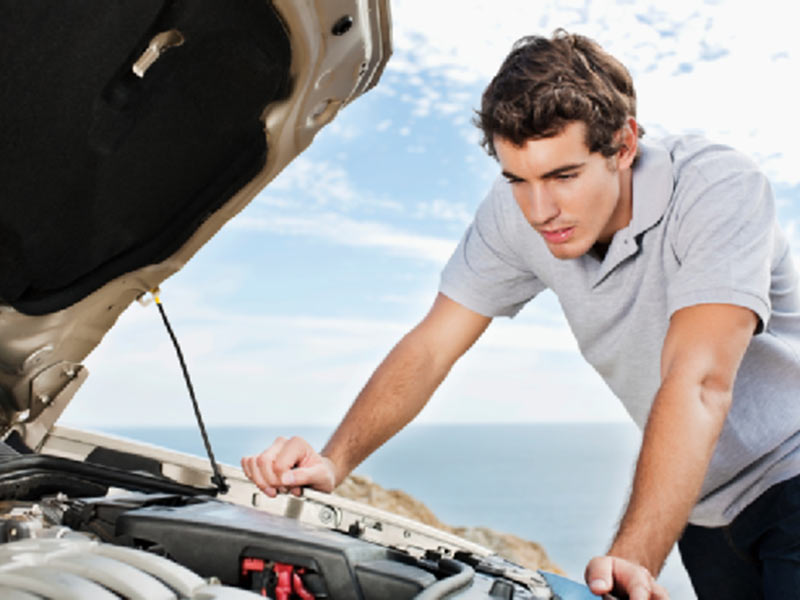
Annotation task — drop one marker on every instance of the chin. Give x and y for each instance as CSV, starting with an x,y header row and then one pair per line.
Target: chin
x,y
568,250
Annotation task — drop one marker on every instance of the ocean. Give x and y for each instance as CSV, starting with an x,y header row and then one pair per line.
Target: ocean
x,y
562,485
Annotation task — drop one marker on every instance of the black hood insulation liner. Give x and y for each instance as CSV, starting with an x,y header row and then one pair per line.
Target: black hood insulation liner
x,y
102,171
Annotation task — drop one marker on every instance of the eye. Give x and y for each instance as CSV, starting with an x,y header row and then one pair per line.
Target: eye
x,y
566,176
512,180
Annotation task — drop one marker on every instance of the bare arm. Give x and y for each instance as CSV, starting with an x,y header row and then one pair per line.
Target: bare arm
x,y
702,352
398,389
403,383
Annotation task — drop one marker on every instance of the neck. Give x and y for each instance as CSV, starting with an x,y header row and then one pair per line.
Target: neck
x,y
623,212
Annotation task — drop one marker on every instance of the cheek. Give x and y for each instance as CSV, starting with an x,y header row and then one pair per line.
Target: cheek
x,y
602,198
577,199
611,197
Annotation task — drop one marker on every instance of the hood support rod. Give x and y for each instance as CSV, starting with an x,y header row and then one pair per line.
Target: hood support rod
x,y
217,478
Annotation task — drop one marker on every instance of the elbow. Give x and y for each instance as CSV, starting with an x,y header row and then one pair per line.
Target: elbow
x,y
716,396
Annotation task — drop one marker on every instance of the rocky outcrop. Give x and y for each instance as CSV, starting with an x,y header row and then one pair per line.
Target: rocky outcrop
x,y
523,552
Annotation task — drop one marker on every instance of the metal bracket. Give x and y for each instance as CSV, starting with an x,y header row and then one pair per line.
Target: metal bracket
x,y
51,391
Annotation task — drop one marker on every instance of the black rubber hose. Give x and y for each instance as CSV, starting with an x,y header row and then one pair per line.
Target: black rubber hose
x,y
461,577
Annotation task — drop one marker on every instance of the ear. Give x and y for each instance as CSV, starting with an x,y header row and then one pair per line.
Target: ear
x,y
629,143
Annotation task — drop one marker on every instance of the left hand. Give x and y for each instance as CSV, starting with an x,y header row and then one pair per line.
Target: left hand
x,y
613,575
288,465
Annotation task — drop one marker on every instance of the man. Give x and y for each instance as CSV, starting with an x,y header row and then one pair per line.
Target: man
x,y
681,292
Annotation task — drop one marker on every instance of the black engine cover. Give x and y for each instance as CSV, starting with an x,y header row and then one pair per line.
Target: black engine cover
x,y
213,538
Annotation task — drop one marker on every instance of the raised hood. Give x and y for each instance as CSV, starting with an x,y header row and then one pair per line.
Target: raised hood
x,y
132,131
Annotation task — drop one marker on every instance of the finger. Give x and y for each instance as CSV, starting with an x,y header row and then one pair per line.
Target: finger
x,y
247,466
660,592
265,462
318,476
634,579
275,449
292,453
260,467
640,592
255,475
599,574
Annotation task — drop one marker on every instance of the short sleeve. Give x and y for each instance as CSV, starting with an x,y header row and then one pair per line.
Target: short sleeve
x,y
722,237
485,273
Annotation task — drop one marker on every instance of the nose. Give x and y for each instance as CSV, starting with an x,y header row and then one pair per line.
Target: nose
x,y
539,205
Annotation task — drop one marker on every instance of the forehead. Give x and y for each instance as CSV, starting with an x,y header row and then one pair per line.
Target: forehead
x,y
540,155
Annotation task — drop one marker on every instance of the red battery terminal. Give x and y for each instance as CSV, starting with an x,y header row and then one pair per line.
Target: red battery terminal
x,y
290,583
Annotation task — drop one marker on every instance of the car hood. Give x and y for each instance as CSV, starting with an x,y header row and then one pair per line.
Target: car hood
x,y
133,131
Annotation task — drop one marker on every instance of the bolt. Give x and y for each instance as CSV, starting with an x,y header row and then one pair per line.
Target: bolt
x,y
327,514
356,529
342,26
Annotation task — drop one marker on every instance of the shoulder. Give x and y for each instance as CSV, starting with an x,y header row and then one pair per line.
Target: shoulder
x,y
696,159
499,201
721,199
712,179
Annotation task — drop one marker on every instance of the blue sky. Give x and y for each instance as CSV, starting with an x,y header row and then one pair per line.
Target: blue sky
x,y
284,314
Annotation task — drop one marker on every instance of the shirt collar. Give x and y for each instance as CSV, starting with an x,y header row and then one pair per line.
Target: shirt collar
x,y
652,186
652,190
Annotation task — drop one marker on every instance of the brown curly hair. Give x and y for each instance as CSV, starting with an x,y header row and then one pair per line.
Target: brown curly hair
x,y
546,83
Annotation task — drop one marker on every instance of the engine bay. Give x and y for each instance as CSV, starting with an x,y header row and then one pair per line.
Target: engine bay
x,y
77,529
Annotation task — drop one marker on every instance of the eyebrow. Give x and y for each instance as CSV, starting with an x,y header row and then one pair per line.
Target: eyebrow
x,y
551,173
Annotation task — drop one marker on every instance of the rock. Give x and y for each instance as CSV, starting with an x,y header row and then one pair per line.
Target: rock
x,y
523,552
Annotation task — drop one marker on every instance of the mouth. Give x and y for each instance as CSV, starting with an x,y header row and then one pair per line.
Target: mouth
x,y
557,236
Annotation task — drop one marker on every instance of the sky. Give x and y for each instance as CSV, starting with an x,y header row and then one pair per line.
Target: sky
x,y
285,313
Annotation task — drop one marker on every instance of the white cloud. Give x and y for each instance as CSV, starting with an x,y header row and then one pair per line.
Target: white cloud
x,y
438,208
322,184
345,132
320,181
517,336
726,68
276,369
384,89
267,368
350,232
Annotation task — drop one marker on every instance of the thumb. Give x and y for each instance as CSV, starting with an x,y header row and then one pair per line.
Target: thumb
x,y
599,574
317,476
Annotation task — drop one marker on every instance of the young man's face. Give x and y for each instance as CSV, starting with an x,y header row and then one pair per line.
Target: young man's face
x,y
574,198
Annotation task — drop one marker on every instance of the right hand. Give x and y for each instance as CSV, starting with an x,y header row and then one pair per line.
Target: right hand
x,y
287,466
611,574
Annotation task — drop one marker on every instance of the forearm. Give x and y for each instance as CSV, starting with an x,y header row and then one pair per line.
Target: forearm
x,y
677,446
702,351
397,391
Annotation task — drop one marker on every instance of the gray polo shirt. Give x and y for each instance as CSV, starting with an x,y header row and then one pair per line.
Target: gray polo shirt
x,y
703,231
